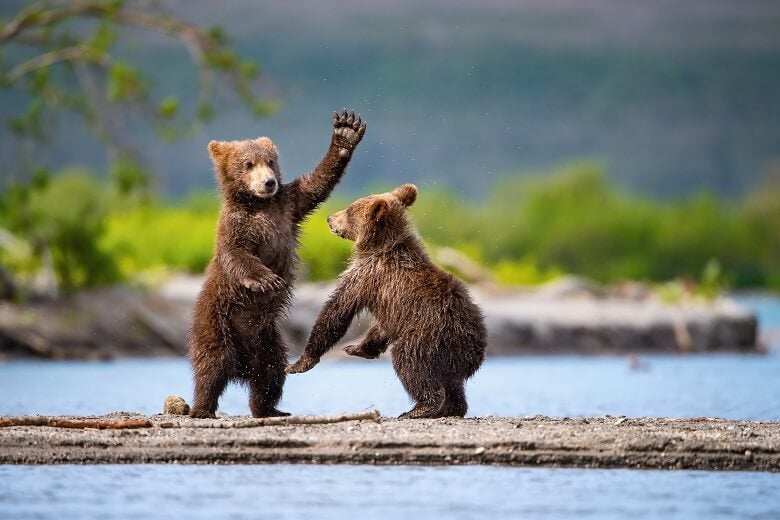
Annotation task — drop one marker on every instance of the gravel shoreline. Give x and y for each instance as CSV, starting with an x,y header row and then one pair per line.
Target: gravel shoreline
x,y
603,442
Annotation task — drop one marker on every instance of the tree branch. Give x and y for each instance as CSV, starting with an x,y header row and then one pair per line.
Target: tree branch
x,y
74,53
197,43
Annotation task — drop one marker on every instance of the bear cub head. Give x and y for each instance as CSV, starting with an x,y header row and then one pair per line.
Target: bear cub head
x,y
376,220
248,168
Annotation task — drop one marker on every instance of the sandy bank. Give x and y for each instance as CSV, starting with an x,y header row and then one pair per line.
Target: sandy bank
x,y
605,442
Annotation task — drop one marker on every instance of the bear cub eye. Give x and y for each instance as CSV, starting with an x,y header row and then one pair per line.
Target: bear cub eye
x,y
248,165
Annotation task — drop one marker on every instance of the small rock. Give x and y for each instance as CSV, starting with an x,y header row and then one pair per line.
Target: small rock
x,y
479,451
175,405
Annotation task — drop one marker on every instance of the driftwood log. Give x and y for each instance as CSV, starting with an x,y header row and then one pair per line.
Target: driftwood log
x,y
55,422
101,424
372,415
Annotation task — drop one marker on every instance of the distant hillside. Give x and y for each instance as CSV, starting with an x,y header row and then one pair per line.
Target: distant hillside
x,y
672,96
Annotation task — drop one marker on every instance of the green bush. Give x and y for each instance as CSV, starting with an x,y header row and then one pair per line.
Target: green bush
x,y
527,231
323,254
64,216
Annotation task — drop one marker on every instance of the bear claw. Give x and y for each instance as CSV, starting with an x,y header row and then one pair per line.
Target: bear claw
x,y
348,130
272,282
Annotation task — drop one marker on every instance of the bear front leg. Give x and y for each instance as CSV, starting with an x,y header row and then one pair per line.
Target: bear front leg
x,y
372,346
250,271
312,189
331,325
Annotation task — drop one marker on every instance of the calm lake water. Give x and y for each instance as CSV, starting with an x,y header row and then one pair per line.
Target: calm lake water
x,y
739,387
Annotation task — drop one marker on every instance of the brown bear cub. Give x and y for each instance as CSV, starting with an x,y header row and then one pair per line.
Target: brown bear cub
x,y
437,331
235,334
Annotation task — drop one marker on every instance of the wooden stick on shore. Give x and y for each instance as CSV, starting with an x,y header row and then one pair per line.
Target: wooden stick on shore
x,y
55,422
371,415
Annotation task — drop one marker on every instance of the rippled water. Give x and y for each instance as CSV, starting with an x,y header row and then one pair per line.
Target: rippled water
x,y
324,492
737,387
745,387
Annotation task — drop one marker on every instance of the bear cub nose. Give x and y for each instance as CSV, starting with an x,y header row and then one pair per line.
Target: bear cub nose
x,y
270,183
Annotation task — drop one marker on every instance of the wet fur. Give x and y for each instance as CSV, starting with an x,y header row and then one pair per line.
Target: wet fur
x,y
235,332
437,331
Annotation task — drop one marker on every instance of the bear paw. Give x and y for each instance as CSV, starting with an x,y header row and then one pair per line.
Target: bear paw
x,y
348,130
302,365
271,282
273,412
202,414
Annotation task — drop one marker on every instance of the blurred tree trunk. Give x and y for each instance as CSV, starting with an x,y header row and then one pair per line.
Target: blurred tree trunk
x,y
8,288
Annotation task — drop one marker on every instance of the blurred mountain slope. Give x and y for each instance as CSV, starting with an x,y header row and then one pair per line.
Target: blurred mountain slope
x,y
672,96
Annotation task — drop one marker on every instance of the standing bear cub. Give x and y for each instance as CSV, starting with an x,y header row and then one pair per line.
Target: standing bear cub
x,y
235,334
437,331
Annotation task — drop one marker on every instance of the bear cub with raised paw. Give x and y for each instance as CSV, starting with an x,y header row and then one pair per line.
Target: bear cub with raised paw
x,y
235,332
437,331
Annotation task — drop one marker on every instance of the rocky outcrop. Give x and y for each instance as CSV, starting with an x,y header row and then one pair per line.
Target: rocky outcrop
x,y
567,316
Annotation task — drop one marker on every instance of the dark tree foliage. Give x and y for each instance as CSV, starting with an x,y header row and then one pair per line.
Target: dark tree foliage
x,y
67,57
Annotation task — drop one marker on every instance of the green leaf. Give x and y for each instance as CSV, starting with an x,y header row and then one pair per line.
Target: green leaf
x,y
205,111
264,108
169,107
249,69
40,80
222,59
125,82
216,33
104,37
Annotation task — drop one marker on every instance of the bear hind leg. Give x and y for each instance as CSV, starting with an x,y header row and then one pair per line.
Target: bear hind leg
x,y
454,404
428,399
266,379
212,373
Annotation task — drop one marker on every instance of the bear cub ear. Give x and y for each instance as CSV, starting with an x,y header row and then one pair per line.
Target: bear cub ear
x,y
378,209
406,193
218,149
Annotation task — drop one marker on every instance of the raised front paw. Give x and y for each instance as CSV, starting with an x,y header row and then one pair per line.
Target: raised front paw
x,y
360,351
302,365
270,282
348,130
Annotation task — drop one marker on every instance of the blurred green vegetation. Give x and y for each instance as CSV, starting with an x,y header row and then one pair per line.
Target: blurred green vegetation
x,y
527,231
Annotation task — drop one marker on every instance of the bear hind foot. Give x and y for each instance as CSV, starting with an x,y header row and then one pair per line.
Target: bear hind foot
x,y
421,412
196,413
273,412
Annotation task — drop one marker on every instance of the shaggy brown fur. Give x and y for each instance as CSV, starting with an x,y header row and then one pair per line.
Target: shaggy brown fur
x,y
437,331
235,335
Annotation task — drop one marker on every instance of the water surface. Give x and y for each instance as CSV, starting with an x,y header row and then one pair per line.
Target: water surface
x,y
731,386
325,492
